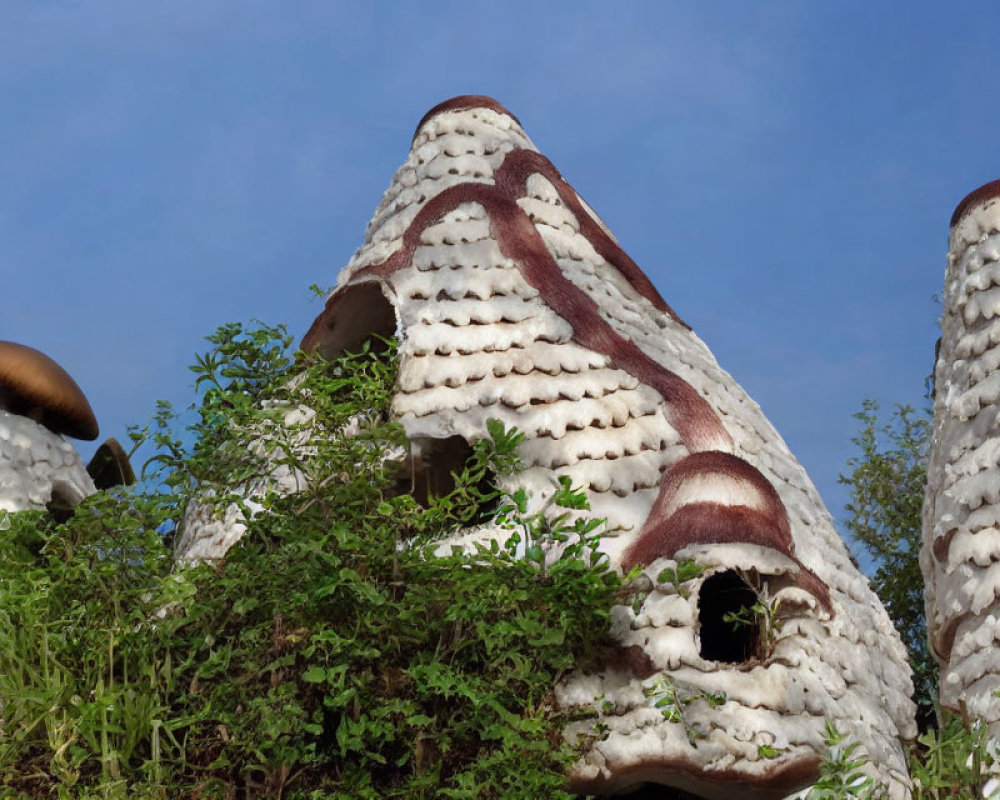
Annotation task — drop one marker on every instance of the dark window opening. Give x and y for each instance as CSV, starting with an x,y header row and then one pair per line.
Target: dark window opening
x,y
652,791
724,639
430,472
60,505
357,313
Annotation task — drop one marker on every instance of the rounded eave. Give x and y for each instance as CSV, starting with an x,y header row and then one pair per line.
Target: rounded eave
x,y
986,192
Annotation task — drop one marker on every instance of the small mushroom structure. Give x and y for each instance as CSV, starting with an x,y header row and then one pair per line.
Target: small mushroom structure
x,y
960,557
512,300
39,405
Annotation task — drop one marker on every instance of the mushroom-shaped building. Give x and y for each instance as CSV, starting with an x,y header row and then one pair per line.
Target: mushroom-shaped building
x,y
39,404
512,300
961,551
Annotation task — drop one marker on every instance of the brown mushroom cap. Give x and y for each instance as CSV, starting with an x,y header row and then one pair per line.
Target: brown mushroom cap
x,y
987,191
110,466
33,385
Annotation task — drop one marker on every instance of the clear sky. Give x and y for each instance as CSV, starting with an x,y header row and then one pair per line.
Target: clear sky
x,y
783,171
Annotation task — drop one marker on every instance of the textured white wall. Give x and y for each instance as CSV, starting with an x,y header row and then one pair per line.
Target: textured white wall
x,y
961,554
37,464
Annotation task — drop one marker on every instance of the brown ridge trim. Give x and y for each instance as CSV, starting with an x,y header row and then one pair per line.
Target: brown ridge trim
x,y
687,411
704,522
631,659
732,469
464,102
512,178
987,191
715,523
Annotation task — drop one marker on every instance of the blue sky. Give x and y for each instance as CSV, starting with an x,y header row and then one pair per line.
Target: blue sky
x,y
783,171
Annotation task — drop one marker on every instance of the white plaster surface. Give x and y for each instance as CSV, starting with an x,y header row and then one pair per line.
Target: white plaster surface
x,y
209,528
37,465
961,554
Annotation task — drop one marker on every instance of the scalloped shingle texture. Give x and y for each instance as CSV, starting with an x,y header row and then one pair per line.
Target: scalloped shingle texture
x,y
512,300
961,553
37,466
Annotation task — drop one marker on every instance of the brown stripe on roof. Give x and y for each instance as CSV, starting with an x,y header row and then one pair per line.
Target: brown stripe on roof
x,y
736,472
512,177
687,411
464,102
703,522
943,640
987,191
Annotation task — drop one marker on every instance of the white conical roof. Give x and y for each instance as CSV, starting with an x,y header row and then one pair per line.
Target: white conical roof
x,y
512,300
961,554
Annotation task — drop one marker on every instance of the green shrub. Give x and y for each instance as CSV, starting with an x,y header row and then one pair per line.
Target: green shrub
x,y
887,478
334,653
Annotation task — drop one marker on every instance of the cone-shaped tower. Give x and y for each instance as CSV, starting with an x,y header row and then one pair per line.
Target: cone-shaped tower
x,y
512,300
961,553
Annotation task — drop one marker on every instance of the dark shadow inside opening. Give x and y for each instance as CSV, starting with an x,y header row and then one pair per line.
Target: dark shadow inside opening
x,y
357,313
431,471
723,640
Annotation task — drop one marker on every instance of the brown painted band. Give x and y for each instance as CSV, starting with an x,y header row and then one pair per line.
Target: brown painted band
x,y
687,411
464,102
987,191
512,178
780,780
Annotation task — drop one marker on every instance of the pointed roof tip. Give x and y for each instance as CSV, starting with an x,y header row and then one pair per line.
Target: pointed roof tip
x,y
988,191
464,102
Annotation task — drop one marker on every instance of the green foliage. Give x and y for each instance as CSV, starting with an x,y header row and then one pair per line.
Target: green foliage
x,y
887,480
337,652
952,763
672,699
841,774
678,575
762,615
340,650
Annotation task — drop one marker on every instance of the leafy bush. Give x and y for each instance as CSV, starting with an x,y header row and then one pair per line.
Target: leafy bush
x,y
335,652
957,762
887,479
